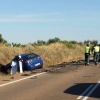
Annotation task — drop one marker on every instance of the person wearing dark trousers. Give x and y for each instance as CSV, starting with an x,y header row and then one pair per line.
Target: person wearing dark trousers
x,y
96,51
87,54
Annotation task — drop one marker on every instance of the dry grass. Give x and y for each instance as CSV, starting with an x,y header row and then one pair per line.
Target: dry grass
x,y
53,54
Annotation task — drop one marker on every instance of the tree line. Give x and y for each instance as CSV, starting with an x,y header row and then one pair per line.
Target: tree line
x,y
50,41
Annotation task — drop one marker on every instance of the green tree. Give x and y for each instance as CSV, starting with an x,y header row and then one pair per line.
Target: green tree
x,y
56,39
41,42
93,42
1,39
73,42
87,41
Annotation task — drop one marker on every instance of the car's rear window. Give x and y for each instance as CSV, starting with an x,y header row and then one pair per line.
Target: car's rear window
x,y
32,55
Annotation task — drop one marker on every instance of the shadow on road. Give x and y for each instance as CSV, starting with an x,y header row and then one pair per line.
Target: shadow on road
x,y
80,88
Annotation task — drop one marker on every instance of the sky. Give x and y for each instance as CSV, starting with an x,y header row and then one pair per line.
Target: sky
x,y
26,21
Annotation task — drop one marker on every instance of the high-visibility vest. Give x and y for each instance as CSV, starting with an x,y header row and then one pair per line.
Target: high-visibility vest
x,y
87,49
96,49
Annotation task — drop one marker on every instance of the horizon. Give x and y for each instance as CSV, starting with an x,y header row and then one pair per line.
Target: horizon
x,y
88,41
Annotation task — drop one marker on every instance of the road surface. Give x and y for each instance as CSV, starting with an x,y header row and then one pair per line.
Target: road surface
x,y
70,82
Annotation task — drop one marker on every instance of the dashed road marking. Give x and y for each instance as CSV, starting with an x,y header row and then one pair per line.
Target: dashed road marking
x,y
89,93
86,97
84,92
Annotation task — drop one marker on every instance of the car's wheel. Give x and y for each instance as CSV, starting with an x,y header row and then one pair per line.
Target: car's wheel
x,y
40,67
9,70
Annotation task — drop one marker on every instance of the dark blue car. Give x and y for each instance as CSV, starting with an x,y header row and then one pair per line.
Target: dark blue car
x,y
30,61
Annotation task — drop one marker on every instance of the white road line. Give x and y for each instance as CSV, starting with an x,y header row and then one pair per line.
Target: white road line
x,y
84,92
86,97
21,79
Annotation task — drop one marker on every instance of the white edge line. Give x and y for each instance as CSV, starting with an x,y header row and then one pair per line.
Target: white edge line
x,y
86,97
84,92
21,79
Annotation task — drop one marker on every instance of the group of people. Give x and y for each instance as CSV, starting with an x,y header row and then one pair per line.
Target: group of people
x,y
95,51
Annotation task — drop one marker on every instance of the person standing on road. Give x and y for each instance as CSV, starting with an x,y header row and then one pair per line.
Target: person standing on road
x,y
96,51
87,54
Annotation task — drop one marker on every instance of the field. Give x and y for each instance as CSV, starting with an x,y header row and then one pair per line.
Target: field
x,y
52,54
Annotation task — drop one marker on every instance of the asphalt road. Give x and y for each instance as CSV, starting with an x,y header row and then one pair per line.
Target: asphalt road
x,y
70,82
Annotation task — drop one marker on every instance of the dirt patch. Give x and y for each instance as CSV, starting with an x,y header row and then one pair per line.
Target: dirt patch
x,y
65,67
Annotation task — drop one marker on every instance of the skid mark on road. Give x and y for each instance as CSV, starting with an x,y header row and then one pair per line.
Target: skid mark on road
x,y
21,79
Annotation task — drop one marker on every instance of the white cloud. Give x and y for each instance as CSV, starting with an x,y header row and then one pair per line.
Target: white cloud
x,y
46,17
31,20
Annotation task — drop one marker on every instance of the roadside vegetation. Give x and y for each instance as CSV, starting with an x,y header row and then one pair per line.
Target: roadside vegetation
x,y
54,51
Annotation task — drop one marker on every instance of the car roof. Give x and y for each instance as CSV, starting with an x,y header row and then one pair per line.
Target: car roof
x,y
24,54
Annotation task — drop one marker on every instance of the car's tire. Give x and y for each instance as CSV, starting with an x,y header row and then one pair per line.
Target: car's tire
x,y
40,67
8,71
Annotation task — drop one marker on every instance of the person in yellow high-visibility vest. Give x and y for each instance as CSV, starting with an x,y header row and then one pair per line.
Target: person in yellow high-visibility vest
x,y
87,54
96,51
